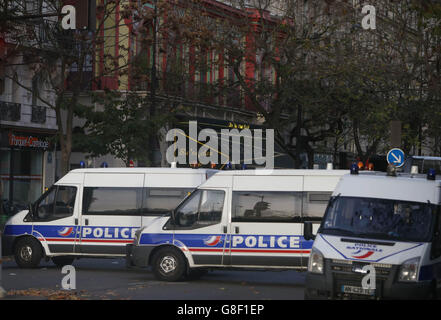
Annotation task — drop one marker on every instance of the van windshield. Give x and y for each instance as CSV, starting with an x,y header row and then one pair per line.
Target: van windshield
x,y
379,219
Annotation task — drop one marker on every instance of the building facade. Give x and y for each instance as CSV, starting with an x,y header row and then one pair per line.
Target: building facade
x,y
28,128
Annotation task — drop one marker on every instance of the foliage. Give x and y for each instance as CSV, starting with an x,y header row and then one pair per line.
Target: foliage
x,y
121,126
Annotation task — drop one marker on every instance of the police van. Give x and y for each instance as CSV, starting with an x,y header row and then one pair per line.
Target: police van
x,y
95,212
243,219
380,238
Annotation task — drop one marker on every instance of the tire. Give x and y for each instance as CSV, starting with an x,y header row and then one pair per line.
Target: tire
x,y
169,265
28,253
62,261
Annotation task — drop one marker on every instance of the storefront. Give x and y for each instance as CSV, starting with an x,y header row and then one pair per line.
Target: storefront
x,y
22,169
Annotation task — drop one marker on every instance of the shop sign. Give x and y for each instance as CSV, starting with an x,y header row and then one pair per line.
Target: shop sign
x,y
27,141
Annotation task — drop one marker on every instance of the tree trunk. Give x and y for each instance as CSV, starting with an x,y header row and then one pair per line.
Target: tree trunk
x,y
298,135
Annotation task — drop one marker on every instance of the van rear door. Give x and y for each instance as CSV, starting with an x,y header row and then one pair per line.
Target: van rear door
x,y
111,212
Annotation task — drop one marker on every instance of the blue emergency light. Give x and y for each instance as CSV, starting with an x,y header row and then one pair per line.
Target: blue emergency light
x,y
354,168
431,174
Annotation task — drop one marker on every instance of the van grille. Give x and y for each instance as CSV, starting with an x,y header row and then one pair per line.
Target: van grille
x,y
344,274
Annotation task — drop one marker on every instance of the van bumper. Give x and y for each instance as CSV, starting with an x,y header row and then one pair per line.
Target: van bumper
x,y
138,256
319,287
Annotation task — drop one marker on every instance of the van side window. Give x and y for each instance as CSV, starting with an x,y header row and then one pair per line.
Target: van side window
x,y
263,206
203,208
57,203
112,201
314,205
159,201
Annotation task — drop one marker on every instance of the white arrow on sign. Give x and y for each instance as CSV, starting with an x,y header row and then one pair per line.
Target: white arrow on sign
x,y
398,159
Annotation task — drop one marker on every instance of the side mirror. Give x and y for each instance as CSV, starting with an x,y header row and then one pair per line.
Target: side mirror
x,y
307,231
30,216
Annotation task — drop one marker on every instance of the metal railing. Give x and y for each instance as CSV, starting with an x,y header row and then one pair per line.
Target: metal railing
x,y
182,86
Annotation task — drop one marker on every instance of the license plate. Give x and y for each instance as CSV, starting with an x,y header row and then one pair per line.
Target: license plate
x,y
357,290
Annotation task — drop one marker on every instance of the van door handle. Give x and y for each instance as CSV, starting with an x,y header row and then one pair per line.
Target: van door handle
x,y
236,229
225,229
76,221
86,222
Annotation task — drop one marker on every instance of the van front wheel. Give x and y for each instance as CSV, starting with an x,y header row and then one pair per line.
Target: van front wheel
x,y
169,265
28,253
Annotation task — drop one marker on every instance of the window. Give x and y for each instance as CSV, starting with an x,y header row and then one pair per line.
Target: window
x,y
203,208
267,206
57,203
159,201
112,201
380,218
314,204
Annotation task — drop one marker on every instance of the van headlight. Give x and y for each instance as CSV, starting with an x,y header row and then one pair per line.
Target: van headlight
x,y
316,262
409,270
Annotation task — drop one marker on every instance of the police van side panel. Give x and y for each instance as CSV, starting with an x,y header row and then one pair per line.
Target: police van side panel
x,y
257,229
93,214
266,225
115,206
265,228
111,212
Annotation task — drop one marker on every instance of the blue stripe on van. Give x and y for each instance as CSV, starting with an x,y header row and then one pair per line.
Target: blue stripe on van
x,y
17,230
194,240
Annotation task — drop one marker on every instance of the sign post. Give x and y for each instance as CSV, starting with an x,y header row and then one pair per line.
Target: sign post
x,y
395,157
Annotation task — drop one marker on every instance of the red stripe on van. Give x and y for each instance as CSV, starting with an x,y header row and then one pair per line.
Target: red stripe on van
x,y
250,250
86,240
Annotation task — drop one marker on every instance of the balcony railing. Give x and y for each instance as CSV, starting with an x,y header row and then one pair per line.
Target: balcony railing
x,y
42,33
10,111
181,86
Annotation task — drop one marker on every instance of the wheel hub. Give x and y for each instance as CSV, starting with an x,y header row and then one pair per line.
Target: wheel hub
x,y
26,253
168,264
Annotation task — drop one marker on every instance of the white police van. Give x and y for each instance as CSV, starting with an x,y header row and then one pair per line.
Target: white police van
x,y
244,219
95,212
387,222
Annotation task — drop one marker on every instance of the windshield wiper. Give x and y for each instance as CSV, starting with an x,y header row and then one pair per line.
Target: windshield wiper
x,y
332,229
378,235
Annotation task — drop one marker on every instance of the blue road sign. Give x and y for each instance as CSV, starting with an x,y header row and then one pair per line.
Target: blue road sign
x,y
396,157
